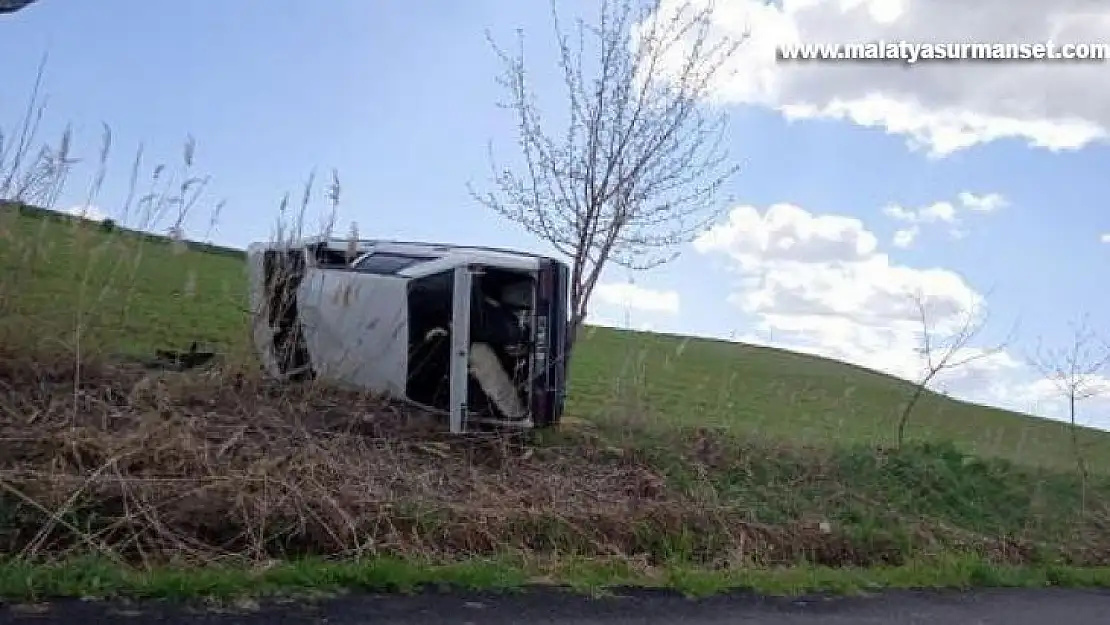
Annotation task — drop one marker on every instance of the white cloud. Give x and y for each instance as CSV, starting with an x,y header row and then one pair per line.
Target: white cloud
x,y
611,321
839,296
626,295
933,213
86,211
901,214
986,203
1050,389
905,237
1105,238
942,106
1045,397
940,213
789,233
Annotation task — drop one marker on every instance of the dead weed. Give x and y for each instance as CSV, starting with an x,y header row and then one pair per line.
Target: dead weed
x,y
206,465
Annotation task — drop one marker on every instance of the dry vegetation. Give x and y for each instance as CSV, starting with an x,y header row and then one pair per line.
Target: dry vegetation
x,y
217,464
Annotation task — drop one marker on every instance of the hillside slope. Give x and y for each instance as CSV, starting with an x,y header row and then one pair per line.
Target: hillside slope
x,y
134,293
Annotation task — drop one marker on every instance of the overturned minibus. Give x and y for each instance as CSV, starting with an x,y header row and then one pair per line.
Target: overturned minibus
x,y
477,333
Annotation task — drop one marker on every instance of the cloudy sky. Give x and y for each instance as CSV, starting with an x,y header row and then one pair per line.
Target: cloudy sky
x,y
979,186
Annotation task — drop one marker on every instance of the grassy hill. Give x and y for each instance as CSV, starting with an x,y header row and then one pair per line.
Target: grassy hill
x,y
710,461
133,293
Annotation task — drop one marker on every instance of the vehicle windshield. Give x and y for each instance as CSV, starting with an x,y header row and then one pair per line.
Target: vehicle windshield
x,y
385,263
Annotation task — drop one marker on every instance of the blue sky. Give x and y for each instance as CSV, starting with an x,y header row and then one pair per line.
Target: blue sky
x,y
400,99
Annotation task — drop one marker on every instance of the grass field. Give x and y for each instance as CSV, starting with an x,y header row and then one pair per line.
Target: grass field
x,y
689,454
137,295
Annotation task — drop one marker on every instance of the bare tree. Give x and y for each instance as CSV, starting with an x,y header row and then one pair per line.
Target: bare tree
x,y
637,168
944,352
1074,371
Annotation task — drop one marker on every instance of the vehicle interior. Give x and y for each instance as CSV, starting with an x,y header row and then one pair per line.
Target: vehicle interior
x,y
500,318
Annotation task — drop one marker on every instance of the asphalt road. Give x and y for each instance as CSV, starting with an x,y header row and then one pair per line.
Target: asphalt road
x,y
1001,607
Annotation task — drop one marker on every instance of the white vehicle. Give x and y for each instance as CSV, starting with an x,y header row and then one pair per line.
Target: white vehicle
x,y
478,333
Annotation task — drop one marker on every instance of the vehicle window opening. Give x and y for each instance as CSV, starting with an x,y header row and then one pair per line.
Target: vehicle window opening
x,y
429,339
329,258
384,263
501,335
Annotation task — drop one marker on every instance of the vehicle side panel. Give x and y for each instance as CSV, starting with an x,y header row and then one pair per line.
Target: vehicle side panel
x,y
356,328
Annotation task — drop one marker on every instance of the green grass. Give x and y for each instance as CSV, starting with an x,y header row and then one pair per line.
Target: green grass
x,y
767,437
140,294
883,495
132,294
785,396
309,579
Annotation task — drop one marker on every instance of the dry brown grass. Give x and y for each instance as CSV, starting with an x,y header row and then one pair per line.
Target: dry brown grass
x,y
219,464
205,465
